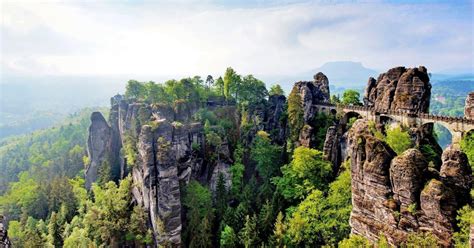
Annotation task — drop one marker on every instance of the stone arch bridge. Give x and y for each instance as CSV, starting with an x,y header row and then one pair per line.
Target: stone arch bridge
x,y
457,126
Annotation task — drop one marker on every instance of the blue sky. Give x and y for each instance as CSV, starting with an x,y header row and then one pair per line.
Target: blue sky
x,y
204,37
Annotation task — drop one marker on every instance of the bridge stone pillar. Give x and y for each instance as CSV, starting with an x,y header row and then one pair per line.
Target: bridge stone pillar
x,y
456,139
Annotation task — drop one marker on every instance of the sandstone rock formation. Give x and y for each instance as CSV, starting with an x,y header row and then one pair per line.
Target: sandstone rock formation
x,y
168,150
469,106
400,89
311,93
275,125
98,147
394,195
4,240
164,157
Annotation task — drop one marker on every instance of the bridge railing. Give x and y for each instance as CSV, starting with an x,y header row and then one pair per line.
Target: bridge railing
x,y
401,112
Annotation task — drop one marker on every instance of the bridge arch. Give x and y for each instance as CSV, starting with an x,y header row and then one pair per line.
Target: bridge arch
x,y
349,118
386,120
454,136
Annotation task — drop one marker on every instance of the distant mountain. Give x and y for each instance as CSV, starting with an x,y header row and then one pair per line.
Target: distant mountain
x,y
341,75
346,73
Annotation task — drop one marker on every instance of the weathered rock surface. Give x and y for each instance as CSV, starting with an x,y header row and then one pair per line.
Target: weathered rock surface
x,y
395,195
372,206
275,125
311,93
99,147
165,159
4,240
469,106
400,88
169,152
456,173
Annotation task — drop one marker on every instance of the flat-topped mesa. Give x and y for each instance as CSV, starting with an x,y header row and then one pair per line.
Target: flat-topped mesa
x,y
400,88
469,106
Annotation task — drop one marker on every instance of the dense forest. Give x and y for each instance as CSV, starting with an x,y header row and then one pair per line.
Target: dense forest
x,y
281,194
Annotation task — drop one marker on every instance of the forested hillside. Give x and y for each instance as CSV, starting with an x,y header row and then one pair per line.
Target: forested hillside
x,y
252,180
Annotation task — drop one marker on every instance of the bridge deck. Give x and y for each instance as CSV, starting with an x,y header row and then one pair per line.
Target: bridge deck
x,y
405,113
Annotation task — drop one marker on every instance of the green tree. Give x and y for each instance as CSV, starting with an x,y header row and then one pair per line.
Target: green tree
x,y
203,237
228,238
231,83
335,99
237,172
465,220
219,86
266,156
295,114
355,241
198,202
467,146
336,216
251,90
221,197
279,232
305,225
266,218
78,239
398,139
107,217
276,90
351,97
249,234
135,89
55,230
422,239
137,229
307,171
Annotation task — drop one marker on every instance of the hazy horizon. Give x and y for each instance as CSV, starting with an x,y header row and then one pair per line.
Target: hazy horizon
x,y
138,39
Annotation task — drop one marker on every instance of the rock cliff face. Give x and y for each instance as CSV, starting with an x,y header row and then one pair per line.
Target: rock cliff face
x,y
400,89
162,147
469,106
275,124
4,240
394,195
149,143
99,147
311,93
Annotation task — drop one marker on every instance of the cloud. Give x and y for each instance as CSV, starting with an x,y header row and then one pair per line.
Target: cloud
x,y
110,38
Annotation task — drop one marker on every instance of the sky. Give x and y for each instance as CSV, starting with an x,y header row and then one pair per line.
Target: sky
x,y
104,38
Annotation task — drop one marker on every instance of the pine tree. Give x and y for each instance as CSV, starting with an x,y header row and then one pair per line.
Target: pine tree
x,y
55,230
279,231
249,234
228,238
295,114
221,197
265,220
203,238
